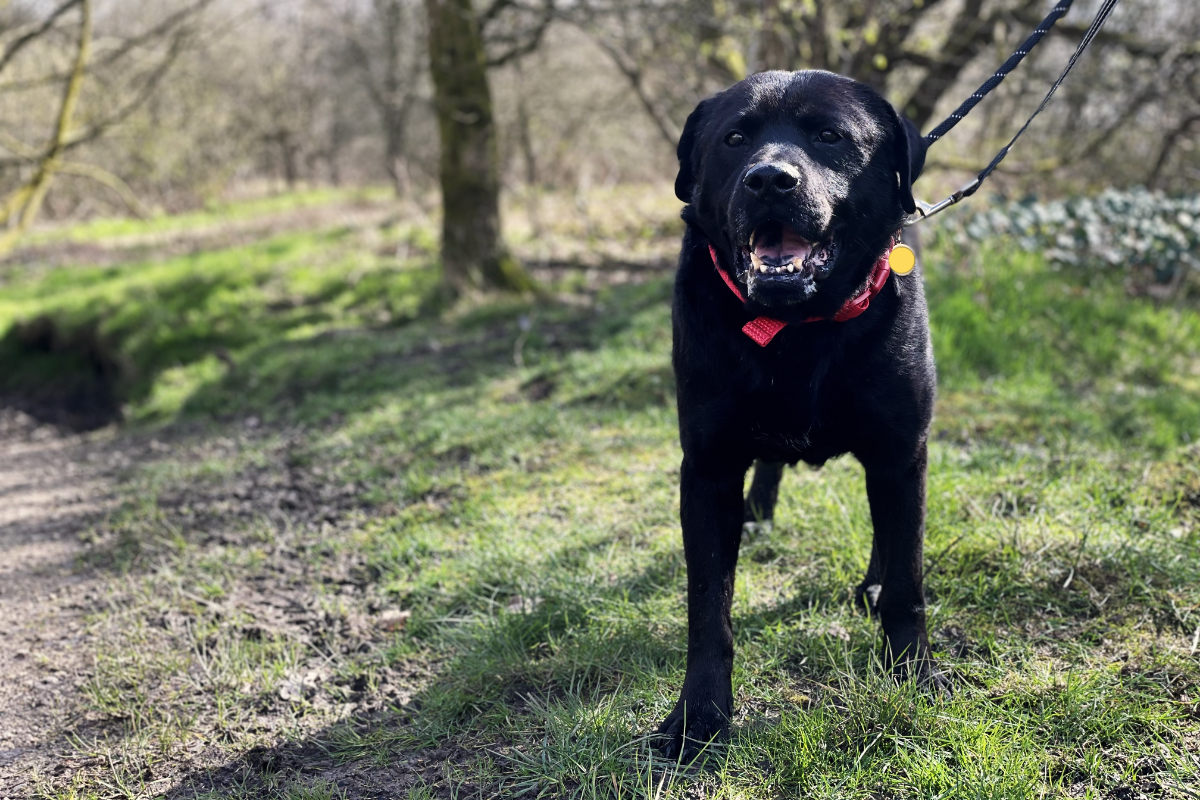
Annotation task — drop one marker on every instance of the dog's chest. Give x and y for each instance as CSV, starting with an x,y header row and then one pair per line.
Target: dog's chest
x,y
795,409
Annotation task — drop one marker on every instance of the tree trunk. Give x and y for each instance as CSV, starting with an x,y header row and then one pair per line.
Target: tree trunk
x,y
394,148
473,257
289,158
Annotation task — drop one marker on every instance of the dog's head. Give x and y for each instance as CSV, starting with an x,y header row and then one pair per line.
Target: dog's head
x,y
799,179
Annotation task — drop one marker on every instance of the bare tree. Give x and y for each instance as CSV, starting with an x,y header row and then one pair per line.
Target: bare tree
x,y
115,69
923,54
385,48
473,255
652,43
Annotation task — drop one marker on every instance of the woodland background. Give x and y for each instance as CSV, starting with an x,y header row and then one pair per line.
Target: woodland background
x,y
185,102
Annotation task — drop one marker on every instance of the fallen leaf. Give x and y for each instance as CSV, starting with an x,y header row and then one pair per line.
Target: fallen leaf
x,y
393,619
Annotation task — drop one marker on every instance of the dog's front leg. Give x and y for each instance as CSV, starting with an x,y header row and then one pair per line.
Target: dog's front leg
x,y
896,493
710,510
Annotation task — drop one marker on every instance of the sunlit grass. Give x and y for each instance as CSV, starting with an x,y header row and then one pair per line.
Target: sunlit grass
x,y
215,213
525,516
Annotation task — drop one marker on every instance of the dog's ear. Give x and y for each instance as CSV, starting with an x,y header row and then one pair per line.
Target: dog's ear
x,y
909,158
685,181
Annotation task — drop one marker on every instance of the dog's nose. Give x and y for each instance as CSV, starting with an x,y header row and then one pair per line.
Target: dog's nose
x,y
771,178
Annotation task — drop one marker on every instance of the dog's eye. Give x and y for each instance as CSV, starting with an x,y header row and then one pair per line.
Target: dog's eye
x,y
735,139
829,137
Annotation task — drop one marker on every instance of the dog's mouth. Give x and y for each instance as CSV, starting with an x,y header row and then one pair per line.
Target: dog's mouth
x,y
778,255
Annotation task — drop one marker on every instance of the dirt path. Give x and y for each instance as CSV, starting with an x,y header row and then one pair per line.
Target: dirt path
x,y
52,486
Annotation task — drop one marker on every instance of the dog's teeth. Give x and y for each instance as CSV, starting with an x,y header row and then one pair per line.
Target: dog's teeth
x,y
791,267
756,262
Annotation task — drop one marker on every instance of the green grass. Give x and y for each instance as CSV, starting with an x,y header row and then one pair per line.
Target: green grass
x,y
526,518
165,327
1042,354
214,214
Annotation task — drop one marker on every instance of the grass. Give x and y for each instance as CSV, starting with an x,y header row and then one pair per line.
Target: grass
x,y
382,559
214,214
159,328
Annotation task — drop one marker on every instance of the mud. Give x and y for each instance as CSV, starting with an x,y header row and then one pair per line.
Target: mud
x,y
53,486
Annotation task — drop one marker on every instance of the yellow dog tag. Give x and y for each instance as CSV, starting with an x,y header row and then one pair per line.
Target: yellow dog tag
x,y
902,259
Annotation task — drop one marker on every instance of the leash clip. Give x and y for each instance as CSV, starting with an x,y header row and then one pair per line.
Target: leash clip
x,y
925,210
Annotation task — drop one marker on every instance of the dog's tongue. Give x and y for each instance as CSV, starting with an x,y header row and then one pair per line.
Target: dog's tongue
x,y
779,244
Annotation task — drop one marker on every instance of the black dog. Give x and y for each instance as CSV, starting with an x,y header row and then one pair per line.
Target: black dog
x,y
796,185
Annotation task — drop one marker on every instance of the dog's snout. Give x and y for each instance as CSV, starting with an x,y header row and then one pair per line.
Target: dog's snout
x,y
771,178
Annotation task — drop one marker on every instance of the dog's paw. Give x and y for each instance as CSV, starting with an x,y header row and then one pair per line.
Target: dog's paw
x,y
690,729
929,676
911,657
866,597
935,680
753,530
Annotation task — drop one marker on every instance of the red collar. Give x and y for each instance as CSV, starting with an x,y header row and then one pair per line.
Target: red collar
x,y
763,329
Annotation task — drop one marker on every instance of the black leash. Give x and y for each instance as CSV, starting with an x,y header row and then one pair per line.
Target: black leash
x,y
991,83
925,210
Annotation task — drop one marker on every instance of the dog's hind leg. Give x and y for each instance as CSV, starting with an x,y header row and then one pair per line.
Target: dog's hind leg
x,y
896,494
866,596
764,492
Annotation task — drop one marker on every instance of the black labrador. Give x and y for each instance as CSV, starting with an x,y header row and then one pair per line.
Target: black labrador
x,y
793,343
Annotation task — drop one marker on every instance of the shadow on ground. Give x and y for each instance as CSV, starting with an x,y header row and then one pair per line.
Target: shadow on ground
x,y
311,388
434,741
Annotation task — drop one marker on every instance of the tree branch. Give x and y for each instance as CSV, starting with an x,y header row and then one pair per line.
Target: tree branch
x,y
634,74
126,47
531,41
1169,142
1131,44
27,201
18,44
147,89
